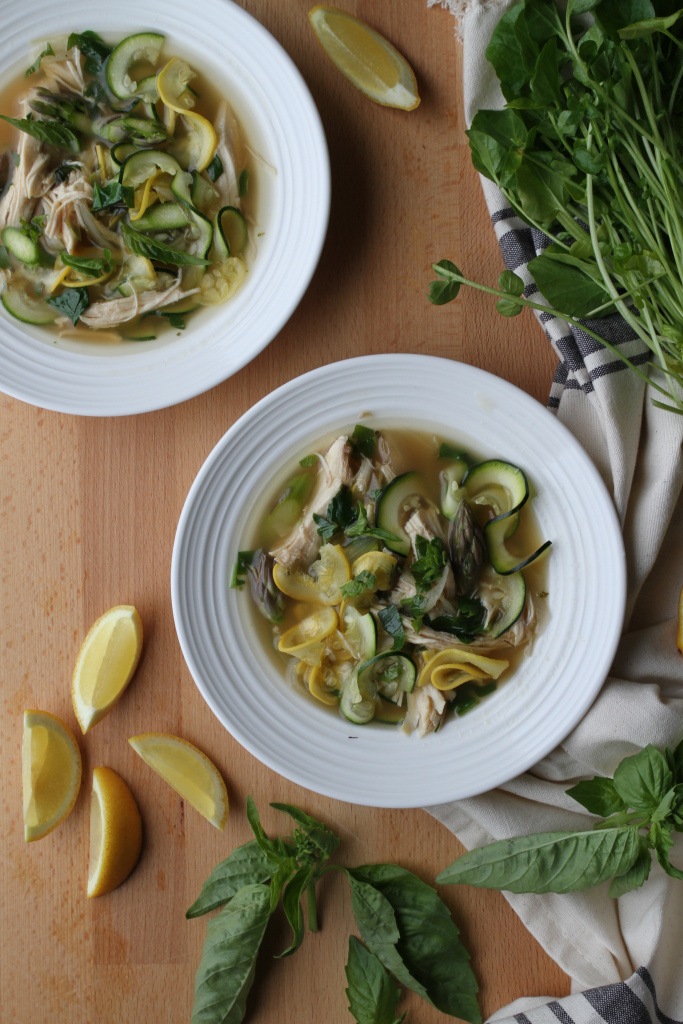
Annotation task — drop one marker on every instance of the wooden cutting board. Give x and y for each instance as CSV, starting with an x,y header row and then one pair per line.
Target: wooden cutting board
x,y
89,511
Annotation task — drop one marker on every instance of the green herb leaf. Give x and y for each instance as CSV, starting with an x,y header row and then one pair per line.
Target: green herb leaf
x,y
226,970
291,903
446,288
361,527
271,849
377,924
430,563
429,943
598,795
93,48
363,441
647,27
447,451
176,320
469,620
215,168
241,568
512,284
322,837
141,245
71,303
372,994
549,862
326,528
91,266
5,261
243,184
365,580
47,52
246,865
636,875
50,132
308,460
286,869
643,779
392,623
566,287
62,172
508,307
113,193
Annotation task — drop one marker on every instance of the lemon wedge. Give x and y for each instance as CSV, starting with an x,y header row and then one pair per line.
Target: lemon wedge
x,y
365,57
115,832
51,773
105,665
188,771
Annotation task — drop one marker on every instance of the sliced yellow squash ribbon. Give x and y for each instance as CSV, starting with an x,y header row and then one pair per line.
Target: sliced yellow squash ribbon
x,y
172,82
454,666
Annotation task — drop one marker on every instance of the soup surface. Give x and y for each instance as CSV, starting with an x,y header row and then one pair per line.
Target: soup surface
x,y
125,188
399,578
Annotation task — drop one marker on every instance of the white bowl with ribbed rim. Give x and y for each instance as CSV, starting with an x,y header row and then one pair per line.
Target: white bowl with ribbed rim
x,y
378,765
282,125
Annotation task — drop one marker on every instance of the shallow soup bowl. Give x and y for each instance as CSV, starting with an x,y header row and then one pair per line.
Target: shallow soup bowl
x,y
375,764
290,206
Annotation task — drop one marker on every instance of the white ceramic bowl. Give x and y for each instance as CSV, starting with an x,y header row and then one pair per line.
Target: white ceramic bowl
x,y
281,124
376,765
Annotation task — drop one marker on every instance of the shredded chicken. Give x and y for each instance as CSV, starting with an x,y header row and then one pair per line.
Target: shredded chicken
x,y
228,150
435,640
67,206
31,179
425,707
113,312
424,522
303,544
64,72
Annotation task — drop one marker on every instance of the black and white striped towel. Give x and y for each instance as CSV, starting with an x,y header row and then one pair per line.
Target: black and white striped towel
x,y
625,957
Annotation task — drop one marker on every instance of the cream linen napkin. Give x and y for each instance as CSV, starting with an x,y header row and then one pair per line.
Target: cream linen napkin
x,y
629,952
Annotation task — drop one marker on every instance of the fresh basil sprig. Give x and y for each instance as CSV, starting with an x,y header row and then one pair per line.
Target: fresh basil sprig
x,y
408,932
588,152
641,807
53,133
344,515
141,245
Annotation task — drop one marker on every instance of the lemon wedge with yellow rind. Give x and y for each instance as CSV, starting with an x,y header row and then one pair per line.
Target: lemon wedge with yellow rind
x,y
51,773
365,57
105,665
115,832
190,772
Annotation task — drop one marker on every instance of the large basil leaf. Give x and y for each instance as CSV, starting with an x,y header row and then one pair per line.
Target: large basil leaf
x,y
429,943
636,875
643,779
372,994
226,970
550,862
246,865
53,133
141,245
598,795
291,902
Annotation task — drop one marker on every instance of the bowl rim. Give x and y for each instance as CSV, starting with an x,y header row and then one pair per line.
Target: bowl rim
x,y
417,365
117,384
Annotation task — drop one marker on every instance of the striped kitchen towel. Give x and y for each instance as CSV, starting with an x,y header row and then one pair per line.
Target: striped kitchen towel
x,y
625,956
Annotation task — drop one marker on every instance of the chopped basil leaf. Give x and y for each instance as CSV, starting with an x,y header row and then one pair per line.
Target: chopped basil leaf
x,y
391,622
241,568
47,52
468,621
93,266
361,527
71,303
113,193
93,48
429,564
5,262
215,168
415,608
176,320
141,245
326,528
50,132
365,580
363,441
62,172
447,451
308,460
243,185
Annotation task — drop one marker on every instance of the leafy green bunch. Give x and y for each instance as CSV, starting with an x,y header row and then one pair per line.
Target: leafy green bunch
x,y
408,934
642,806
589,150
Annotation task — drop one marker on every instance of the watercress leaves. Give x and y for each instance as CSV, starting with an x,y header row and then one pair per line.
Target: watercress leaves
x,y
428,945
246,865
51,132
141,245
372,994
446,288
548,862
226,970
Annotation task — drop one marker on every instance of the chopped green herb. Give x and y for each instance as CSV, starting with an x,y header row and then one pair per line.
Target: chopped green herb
x,y
308,460
91,266
241,568
5,261
47,52
176,320
429,564
71,303
374,495
415,608
50,132
112,193
326,528
391,622
93,48
141,245
365,580
469,621
447,451
215,168
243,186
62,172
363,441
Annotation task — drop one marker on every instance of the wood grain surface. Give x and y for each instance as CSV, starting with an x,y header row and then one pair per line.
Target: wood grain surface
x,y
89,511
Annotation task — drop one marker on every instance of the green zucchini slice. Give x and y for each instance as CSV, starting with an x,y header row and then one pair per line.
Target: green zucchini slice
x,y
163,217
396,503
231,232
451,479
496,532
27,308
499,484
387,674
20,245
142,48
143,163
511,604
